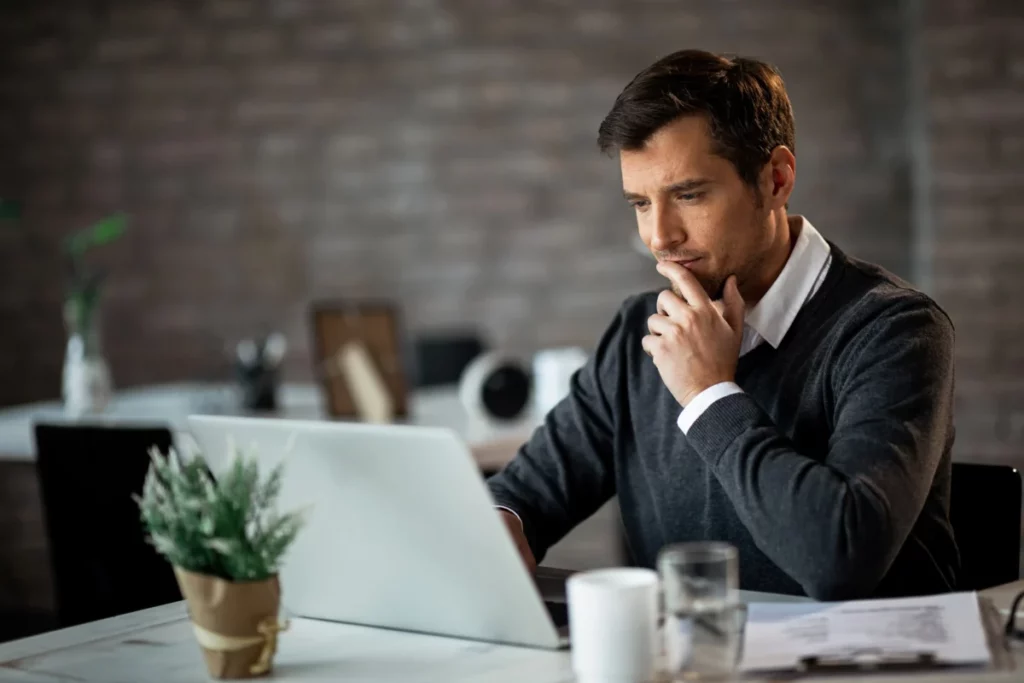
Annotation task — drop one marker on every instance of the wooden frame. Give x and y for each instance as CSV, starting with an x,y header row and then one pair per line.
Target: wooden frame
x,y
378,326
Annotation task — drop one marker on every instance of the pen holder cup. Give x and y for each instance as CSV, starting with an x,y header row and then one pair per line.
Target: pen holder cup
x,y
258,388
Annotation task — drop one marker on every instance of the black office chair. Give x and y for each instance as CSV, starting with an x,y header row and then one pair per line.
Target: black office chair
x,y
985,510
102,564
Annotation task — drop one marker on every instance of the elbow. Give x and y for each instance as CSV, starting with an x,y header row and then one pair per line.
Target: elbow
x,y
855,562
845,577
841,577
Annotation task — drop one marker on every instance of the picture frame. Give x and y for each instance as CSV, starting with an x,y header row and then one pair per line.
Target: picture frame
x,y
377,324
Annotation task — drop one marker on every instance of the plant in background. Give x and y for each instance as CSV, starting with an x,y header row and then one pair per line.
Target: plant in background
x,y
86,384
226,541
85,285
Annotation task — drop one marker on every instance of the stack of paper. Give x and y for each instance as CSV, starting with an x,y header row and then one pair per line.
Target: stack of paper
x,y
947,629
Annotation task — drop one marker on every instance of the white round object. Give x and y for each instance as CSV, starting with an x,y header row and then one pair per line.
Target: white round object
x,y
495,386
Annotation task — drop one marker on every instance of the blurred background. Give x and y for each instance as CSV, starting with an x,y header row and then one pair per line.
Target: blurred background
x,y
440,155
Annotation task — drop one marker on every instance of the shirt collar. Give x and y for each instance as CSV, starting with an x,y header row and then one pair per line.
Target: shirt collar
x,y
773,315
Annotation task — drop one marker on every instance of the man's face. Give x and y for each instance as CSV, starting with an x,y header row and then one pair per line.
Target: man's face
x,y
692,207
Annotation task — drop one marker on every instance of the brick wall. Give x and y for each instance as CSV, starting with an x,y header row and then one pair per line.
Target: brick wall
x,y
273,153
975,108
438,153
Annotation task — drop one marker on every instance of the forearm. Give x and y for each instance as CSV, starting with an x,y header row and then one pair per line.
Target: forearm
x,y
564,472
558,478
834,527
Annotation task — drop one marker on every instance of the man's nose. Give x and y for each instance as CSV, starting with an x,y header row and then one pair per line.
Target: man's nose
x,y
667,231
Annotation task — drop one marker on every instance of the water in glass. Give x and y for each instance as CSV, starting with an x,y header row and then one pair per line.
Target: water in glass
x,y
704,616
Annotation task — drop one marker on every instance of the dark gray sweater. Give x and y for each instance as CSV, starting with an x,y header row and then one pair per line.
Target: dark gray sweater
x,y
830,473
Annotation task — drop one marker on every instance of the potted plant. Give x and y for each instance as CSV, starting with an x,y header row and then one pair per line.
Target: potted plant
x,y
87,385
225,541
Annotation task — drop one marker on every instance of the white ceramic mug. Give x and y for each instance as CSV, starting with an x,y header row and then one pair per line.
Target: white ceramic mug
x,y
613,624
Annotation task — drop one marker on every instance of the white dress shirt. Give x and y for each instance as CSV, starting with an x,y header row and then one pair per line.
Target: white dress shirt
x,y
773,315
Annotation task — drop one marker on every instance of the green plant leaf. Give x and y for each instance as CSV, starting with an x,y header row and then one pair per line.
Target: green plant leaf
x,y
96,235
227,527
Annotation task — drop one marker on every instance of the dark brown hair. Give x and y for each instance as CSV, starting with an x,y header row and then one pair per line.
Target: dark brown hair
x,y
744,100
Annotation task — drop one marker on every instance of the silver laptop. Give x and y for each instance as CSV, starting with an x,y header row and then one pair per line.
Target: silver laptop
x,y
401,531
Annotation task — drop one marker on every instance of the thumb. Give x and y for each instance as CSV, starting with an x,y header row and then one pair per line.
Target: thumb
x,y
734,306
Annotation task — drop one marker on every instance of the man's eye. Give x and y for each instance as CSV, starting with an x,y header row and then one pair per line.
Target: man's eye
x,y
689,196
639,204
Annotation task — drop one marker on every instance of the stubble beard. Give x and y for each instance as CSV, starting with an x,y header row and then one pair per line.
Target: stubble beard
x,y
714,287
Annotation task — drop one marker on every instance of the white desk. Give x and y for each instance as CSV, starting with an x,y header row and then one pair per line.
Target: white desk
x,y
493,444
158,645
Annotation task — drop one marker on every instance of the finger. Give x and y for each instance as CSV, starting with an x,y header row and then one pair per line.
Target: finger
x,y
660,325
733,305
648,343
686,283
669,304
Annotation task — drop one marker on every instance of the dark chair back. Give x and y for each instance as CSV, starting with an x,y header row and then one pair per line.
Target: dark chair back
x,y
985,510
441,358
102,564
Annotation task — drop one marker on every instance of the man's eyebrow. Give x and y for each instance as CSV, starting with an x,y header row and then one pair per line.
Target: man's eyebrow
x,y
687,185
682,186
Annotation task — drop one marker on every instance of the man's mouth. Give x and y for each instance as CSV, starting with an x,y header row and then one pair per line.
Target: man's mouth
x,y
685,263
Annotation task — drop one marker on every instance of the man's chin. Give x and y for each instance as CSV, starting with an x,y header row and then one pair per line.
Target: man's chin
x,y
714,289
717,292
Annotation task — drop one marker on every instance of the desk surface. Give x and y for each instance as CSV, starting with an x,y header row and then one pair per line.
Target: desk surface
x,y
157,644
493,443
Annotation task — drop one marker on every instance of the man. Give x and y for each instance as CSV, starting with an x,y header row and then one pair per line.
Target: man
x,y
781,395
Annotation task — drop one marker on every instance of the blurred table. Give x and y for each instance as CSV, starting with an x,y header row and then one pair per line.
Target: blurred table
x,y
492,443
25,580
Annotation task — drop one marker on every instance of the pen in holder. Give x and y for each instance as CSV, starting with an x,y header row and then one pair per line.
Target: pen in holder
x,y
257,364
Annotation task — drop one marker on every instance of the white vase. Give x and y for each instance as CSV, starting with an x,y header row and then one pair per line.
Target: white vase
x,y
553,370
86,384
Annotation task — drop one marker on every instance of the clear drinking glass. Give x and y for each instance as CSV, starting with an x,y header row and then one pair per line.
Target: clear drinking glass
x,y
703,612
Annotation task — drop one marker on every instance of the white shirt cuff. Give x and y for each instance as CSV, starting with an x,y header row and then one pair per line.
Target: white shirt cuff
x,y
514,514
702,401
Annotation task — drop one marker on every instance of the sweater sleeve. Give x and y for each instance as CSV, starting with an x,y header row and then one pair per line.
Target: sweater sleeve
x,y
836,521
565,472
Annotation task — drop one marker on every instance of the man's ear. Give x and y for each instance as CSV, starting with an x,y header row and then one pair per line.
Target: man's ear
x,y
778,177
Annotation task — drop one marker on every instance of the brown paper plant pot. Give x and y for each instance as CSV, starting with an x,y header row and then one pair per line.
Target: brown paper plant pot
x,y
235,623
